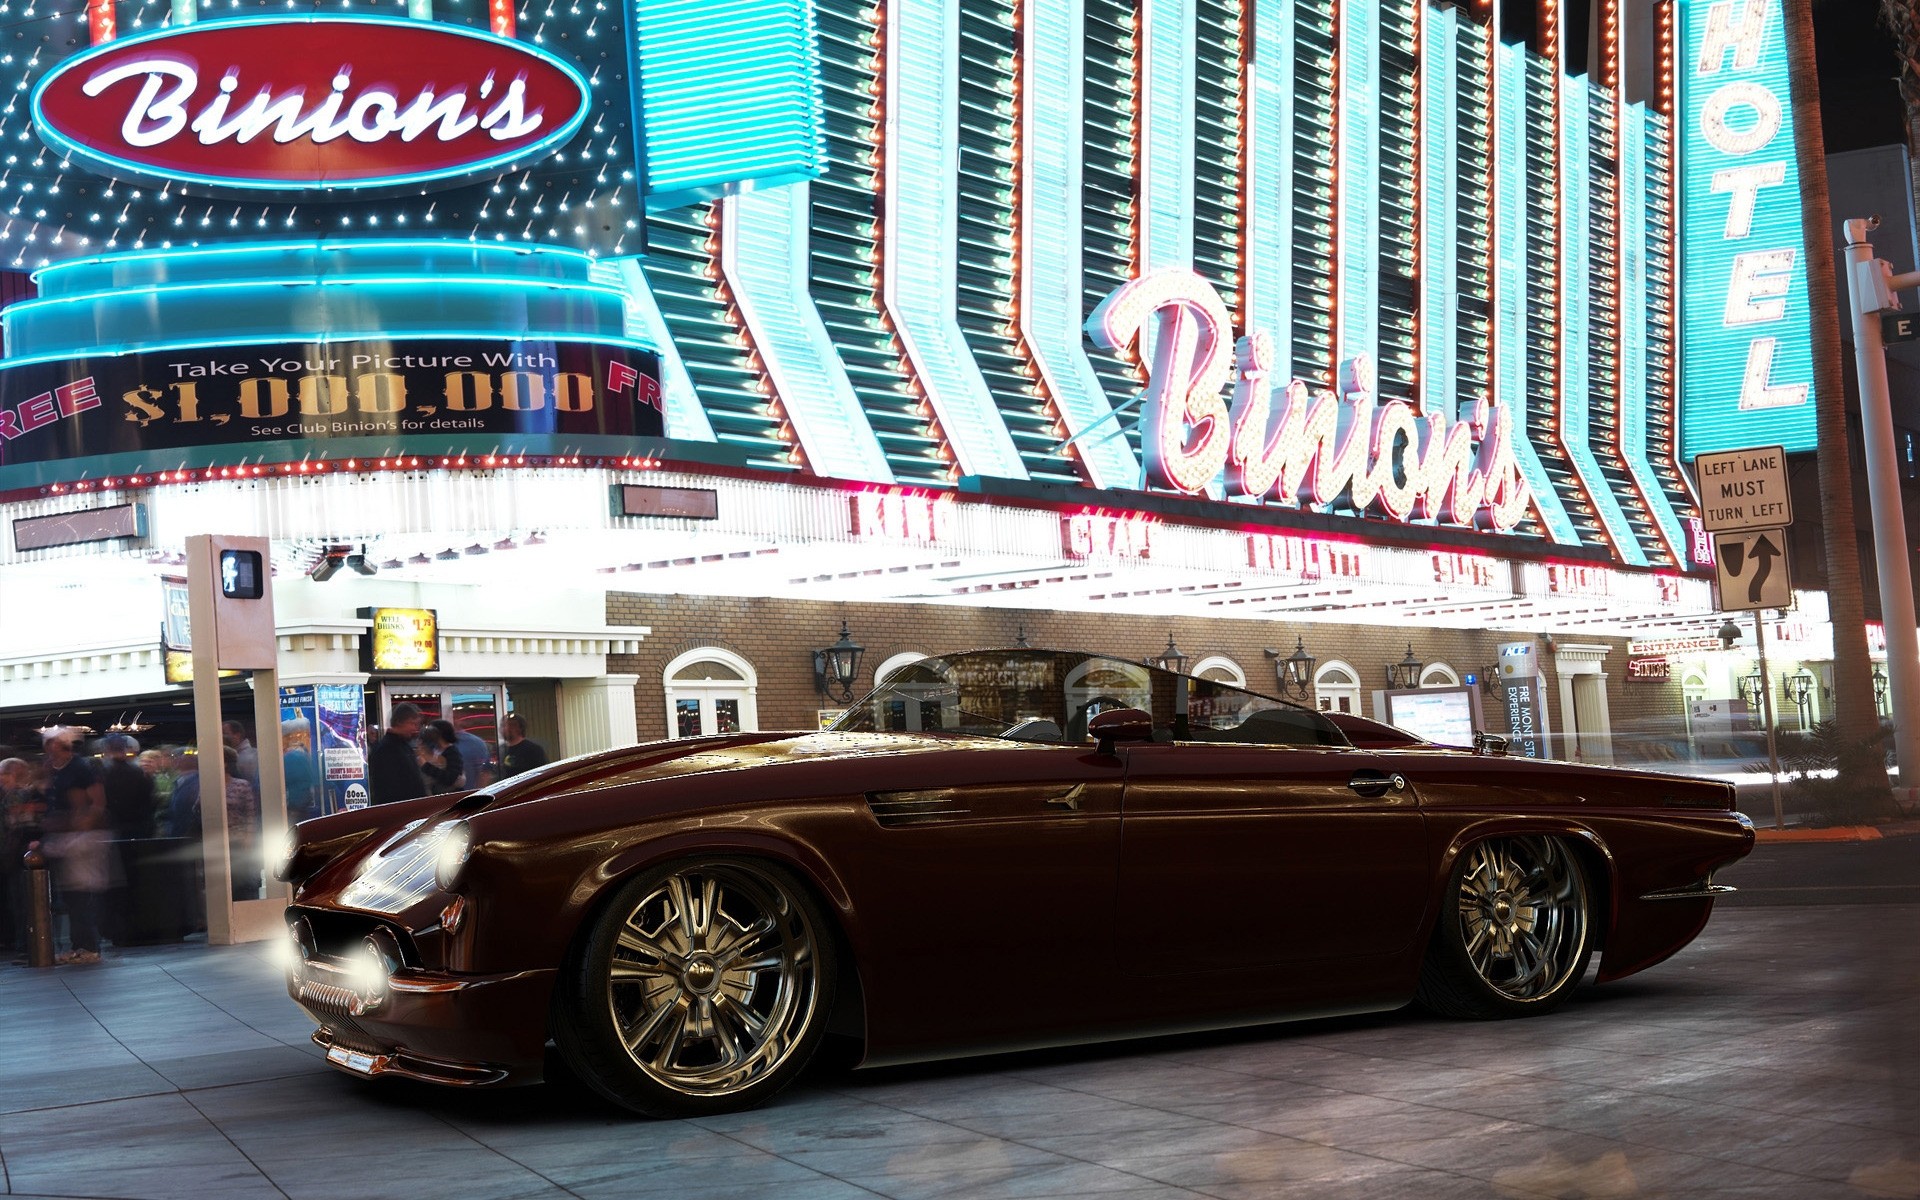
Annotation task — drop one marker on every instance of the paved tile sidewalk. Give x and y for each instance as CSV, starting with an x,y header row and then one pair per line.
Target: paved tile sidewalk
x,y
1777,1057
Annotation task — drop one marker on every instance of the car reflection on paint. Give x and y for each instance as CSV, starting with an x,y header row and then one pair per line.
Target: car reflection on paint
x,y
995,850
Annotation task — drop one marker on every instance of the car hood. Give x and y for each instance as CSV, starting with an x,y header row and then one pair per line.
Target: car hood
x,y
708,755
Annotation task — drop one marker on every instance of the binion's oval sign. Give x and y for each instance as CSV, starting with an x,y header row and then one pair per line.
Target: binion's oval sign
x,y
310,102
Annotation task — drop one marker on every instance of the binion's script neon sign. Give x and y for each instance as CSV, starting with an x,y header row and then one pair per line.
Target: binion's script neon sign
x,y
1301,446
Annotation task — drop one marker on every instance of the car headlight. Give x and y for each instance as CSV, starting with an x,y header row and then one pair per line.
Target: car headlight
x,y
283,861
450,858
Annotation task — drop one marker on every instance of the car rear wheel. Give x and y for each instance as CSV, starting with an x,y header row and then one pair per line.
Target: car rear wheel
x,y
1513,938
703,987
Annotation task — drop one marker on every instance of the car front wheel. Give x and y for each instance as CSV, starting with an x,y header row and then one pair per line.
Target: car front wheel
x,y
703,987
1513,936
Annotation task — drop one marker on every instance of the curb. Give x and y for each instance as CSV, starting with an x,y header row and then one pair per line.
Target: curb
x,y
1836,833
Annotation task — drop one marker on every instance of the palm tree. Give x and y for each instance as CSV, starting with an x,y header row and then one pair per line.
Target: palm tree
x,y
1902,19
1858,719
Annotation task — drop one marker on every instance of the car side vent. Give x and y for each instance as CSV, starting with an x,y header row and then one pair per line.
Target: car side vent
x,y
895,809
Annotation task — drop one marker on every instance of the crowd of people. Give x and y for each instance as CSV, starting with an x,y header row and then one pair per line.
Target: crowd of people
x,y
416,757
73,808
90,808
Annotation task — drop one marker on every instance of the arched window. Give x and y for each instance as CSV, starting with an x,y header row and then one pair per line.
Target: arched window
x,y
710,690
886,670
1337,687
1220,669
1439,674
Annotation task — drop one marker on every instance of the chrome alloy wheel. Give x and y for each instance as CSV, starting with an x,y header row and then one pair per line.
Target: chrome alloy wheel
x,y
713,979
1523,915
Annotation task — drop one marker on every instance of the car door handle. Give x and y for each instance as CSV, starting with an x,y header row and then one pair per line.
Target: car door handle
x,y
1068,799
1377,783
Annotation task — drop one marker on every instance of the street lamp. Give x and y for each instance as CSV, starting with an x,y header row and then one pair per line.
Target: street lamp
x,y
1405,675
1170,659
1751,689
1802,688
1295,671
1729,634
836,667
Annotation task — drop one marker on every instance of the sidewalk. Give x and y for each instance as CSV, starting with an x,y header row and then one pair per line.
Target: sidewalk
x,y
1772,1060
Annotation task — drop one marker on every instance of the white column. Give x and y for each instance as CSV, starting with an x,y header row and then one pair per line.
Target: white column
x,y
596,714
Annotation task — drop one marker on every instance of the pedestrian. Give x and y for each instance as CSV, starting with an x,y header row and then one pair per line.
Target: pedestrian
x,y
440,759
78,840
476,757
235,735
520,754
129,790
243,830
130,818
23,811
158,764
183,806
393,772
303,780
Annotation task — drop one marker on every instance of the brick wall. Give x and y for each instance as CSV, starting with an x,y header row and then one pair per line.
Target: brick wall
x,y
778,636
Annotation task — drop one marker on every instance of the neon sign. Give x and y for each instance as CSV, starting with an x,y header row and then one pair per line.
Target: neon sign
x,y
1312,447
368,102
1309,558
1106,536
903,516
1748,368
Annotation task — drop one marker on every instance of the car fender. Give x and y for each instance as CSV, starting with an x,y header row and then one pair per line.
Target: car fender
x,y
1480,828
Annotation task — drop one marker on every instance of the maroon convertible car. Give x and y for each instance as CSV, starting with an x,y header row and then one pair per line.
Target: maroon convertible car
x,y
997,849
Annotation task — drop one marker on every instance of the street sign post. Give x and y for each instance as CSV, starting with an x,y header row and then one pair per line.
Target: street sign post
x,y
1745,504
1744,489
1751,565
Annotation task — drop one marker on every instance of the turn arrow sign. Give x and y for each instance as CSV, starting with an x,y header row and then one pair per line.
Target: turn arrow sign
x,y
1764,552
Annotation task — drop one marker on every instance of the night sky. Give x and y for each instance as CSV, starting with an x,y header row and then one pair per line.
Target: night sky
x,y
1859,90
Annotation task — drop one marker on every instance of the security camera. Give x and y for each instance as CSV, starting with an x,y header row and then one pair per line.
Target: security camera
x,y
1873,222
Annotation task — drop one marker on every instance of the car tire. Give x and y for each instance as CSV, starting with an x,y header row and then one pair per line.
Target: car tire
x,y
702,986
1514,931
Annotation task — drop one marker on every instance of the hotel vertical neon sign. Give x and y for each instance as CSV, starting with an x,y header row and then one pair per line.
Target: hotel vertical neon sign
x,y
1746,364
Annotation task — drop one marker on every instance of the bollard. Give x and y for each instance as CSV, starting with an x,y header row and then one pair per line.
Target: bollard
x,y
39,909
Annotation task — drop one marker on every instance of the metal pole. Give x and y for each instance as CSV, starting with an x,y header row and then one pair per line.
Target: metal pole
x,y
39,909
1883,489
1766,714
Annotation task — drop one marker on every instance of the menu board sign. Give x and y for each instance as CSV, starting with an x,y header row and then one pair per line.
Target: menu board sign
x,y
402,639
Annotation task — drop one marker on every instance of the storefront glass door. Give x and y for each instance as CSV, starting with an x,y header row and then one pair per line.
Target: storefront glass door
x,y
475,708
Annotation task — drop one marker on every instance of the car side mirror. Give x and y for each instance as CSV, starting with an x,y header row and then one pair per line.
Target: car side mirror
x,y
1490,743
1120,725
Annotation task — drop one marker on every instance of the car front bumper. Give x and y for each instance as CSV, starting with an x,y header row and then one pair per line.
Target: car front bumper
x,y
459,1030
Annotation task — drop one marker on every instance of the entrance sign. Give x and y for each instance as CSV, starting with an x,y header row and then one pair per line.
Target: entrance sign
x,y
1752,570
1310,447
1744,489
364,102
1746,363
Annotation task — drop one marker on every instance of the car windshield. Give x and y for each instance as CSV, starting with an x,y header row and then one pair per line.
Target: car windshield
x,y
1049,695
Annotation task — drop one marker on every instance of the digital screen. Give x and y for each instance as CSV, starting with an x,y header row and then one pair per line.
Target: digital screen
x,y
84,525
1443,716
403,639
242,575
177,666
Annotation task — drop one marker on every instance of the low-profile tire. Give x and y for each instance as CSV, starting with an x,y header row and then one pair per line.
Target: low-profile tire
x,y
703,986
1514,931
